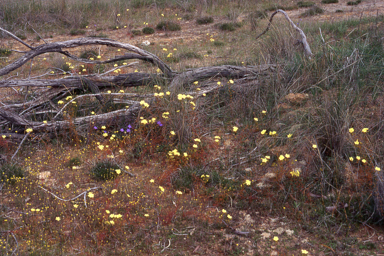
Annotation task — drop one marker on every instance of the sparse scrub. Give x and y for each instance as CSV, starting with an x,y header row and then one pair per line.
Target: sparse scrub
x,y
354,2
11,173
330,1
136,32
5,52
229,26
76,32
302,4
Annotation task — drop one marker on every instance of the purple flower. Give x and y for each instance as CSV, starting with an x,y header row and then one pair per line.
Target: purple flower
x,y
159,123
129,126
95,127
122,130
128,130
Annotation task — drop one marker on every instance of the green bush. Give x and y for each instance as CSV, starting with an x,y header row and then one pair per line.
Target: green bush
x,y
190,55
330,1
168,26
104,171
148,31
74,161
218,43
11,173
88,54
302,4
204,20
136,32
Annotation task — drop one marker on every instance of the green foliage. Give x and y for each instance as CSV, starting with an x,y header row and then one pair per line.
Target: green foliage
x,y
330,1
168,26
11,173
218,43
186,177
190,55
148,30
76,32
136,32
303,4
100,35
204,20
104,171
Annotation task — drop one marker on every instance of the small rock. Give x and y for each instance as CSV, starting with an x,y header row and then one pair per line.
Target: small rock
x,y
289,232
145,43
296,98
265,235
279,230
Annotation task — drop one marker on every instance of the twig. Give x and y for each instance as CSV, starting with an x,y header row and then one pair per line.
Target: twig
x,y
169,241
67,200
37,33
21,143
17,244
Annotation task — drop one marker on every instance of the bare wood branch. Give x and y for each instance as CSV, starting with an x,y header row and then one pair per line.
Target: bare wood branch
x,y
59,46
16,38
307,49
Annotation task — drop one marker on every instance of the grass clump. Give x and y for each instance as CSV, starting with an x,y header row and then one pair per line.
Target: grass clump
x,y
330,1
101,35
312,11
190,55
168,26
303,4
76,32
148,31
11,173
204,20
104,171
229,26
74,161
218,43
137,32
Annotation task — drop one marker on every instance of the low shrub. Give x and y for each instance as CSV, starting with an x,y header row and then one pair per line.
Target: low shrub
x,y
354,2
312,11
230,26
136,32
168,26
148,31
88,54
5,52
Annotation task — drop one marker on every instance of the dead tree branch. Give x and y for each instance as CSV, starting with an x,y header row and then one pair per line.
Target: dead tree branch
x,y
307,49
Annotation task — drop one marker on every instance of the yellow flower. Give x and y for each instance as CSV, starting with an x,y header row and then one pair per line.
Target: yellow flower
x,y
364,161
256,119
295,173
29,130
231,81
264,112
4,136
224,211
357,142
103,127
99,57
118,15
289,135
235,128
314,146
219,83
364,130
75,205
91,195
263,132
358,158
165,49
168,93
118,171
69,184
101,147
144,121
351,159
275,239
281,157
304,251
248,182
196,82
58,218
287,155
152,181
45,121
351,130
377,168
113,191
194,146
229,216
105,134
173,133
161,188
146,215
179,192
185,154
197,140
107,211
33,209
